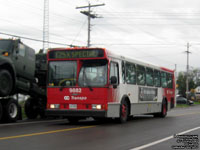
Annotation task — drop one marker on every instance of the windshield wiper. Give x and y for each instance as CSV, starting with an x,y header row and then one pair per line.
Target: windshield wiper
x,y
62,87
91,89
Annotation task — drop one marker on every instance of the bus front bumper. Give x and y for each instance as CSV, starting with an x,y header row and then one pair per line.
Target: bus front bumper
x,y
75,113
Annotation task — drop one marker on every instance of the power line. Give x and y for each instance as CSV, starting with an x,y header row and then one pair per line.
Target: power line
x,y
79,31
37,40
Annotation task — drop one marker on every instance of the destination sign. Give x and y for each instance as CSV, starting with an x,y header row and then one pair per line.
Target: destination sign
x,y
64,54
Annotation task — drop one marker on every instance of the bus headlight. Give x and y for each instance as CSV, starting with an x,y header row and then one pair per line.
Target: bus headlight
x,y
96,106
55,106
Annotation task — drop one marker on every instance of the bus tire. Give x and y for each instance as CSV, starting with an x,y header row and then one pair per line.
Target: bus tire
x,y
31,110
6,83
11,111
163,112
164,109
124,112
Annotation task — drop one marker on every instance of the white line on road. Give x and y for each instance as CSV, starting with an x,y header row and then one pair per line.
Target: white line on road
x,y
164,139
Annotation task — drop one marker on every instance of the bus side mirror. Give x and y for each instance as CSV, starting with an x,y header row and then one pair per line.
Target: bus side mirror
x,y
113,81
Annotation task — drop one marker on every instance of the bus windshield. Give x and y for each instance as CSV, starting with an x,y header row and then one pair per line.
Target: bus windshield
x,y
62,73
5,45
93,74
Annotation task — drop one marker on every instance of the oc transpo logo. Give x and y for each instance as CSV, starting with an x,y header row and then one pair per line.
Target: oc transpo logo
x,y
75,92
66,98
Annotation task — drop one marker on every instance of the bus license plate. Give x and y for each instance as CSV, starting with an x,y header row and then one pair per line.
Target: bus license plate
x,y
72,106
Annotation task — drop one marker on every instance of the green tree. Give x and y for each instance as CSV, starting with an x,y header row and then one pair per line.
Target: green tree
x,y
181,81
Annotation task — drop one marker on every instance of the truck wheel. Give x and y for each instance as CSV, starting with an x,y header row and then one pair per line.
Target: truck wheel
x,y
1,111
42,114
31,109
11,111
73,119
6,83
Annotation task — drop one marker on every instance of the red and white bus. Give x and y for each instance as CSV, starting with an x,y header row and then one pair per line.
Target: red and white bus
x,y
94,82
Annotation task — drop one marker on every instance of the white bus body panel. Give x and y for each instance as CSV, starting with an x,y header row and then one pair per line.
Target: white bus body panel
x,y
132,91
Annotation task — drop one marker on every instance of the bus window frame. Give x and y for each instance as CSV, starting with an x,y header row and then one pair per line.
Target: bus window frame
x,y
157,71
114,62
169,77
162,77
152,75
135,70
139,70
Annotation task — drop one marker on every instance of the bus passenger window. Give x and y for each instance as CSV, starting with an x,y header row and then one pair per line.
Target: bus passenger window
x,y
149,76
114,71
169,81
141,75
123,72
164,79
130,73
157,78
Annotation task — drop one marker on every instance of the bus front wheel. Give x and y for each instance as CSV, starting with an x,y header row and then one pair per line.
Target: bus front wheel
x,y
124,112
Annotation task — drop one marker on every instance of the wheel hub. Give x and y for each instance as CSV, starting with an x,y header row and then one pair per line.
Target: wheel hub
x,y
13,110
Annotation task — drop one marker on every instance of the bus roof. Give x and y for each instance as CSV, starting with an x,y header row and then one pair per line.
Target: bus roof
x,y
137,61
111,54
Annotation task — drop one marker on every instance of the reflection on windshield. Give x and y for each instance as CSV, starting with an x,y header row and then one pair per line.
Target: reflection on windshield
x,y
62,73
93,74
5,45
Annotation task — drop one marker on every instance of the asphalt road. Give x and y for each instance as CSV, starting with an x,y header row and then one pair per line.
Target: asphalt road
x,y
142,132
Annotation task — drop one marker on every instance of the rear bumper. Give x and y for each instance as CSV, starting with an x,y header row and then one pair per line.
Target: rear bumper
x,y
76,113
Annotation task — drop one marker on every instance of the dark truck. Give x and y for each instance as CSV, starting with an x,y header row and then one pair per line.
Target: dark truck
x,y
21,71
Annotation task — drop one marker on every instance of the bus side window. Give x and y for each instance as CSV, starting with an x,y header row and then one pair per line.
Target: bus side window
x,y
164,79
169,81
141,75
149,76
130,73
123,72
114,71
157,78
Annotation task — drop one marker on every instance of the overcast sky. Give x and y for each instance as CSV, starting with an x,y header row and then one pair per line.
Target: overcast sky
x,y
156,31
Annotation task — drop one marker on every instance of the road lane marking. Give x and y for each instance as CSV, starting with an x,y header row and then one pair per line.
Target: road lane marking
x,y
30,122
163,140
193,113
43,133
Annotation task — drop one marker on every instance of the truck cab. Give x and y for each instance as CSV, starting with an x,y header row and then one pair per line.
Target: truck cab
x,y
17,67
21,71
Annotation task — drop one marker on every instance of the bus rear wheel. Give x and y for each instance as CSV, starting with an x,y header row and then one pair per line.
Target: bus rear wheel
x,y
164,109
163,112
124,112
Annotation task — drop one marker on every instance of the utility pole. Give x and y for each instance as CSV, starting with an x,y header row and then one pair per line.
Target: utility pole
x,y
187,68
89,15
175,70
46,26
